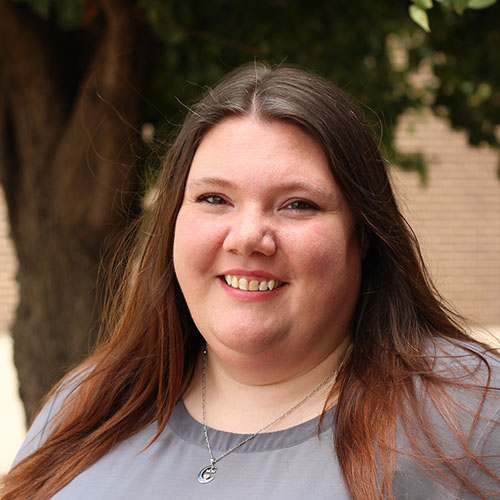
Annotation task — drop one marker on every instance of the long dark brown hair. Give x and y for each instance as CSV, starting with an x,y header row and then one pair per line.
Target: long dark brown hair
x,y
400,330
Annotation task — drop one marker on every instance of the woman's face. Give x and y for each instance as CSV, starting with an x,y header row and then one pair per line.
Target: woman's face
x,y
265,251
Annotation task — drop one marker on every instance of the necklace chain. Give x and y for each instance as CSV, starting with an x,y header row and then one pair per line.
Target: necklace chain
x,y
206,474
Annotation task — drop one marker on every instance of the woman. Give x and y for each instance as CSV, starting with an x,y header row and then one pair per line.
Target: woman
x,y
276,333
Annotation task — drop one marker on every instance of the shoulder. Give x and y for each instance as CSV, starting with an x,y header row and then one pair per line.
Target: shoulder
x,y
467,362
468,375
46,419
452,430
461,400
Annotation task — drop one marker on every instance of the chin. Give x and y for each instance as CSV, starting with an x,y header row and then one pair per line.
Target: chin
x,y
249,341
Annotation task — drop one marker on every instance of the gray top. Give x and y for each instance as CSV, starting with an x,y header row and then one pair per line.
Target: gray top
x,y
296,463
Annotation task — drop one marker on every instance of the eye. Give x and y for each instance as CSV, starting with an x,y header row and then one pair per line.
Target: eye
x,y
301,205
212,199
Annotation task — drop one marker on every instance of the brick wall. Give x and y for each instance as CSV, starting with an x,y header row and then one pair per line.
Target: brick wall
x,y
456,216
8,268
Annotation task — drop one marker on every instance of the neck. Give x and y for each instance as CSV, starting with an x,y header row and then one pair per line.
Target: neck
x,y
246,402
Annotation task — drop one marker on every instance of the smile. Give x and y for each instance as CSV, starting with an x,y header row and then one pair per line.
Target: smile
x,y
252,285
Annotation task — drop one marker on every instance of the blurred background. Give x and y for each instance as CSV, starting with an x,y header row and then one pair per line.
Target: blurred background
x,y
91,91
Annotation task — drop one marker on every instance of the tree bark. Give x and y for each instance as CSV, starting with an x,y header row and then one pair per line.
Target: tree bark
x,y
69,170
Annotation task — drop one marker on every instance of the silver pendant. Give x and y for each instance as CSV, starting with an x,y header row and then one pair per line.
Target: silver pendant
x,y
206,474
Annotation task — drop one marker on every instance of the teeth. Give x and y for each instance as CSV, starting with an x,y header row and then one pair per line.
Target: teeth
x,y
253,285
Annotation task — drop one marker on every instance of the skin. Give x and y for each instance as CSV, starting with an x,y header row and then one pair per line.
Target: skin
x,y
261,202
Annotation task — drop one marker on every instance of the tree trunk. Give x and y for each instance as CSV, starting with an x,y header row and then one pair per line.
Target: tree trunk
x,y
69,171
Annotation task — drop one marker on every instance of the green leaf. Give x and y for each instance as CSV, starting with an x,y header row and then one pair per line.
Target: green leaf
x,y
480,4
423,4
460,6
419,16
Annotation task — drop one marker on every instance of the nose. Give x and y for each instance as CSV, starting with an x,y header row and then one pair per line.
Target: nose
x,y
250,233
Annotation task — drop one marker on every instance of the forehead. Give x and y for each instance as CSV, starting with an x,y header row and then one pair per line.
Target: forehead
x,y
254,149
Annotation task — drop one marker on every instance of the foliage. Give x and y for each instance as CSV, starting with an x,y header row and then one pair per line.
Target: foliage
x,y
460,54
419,15
372,50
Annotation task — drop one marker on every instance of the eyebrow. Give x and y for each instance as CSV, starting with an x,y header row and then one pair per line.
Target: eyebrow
x,y
215,181
287,186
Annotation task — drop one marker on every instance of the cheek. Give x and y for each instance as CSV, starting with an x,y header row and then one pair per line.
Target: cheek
x,y
331,264
334,273
195,243
326,250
